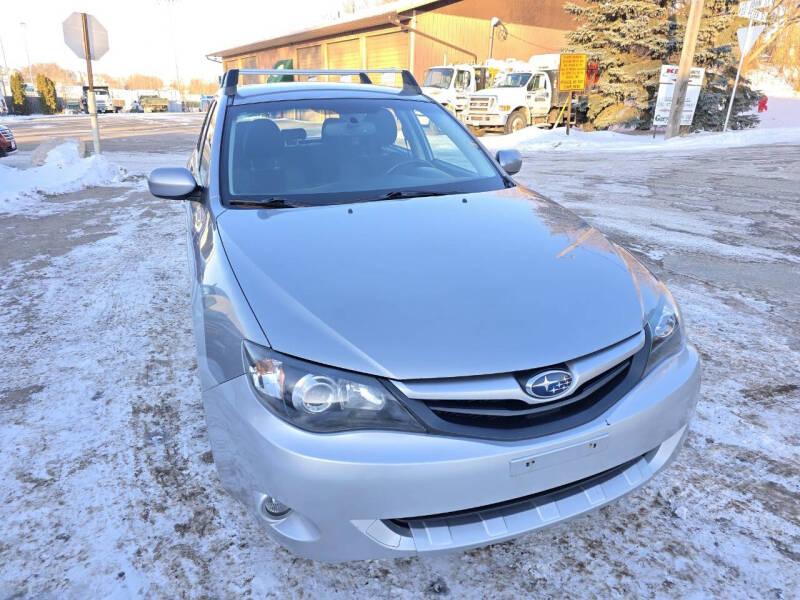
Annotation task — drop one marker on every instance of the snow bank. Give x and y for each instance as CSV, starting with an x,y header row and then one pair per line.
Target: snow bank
x,y
533,139
63,171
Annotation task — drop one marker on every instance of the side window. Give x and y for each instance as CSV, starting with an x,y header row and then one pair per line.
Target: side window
x,y
462,80
205,151
205,124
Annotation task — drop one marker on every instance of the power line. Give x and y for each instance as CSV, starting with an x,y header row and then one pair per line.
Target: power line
x,y
528,42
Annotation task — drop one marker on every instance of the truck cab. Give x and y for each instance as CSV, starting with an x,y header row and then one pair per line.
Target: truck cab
x,y
102,99
451,85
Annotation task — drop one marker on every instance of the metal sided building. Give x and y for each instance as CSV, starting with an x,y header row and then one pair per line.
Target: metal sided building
x,y
415,35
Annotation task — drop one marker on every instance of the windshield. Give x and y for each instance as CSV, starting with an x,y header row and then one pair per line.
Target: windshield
x,y
513,80
438,78
327,151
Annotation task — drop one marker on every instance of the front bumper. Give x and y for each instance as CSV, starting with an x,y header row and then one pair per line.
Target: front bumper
x,y
485,119
373,494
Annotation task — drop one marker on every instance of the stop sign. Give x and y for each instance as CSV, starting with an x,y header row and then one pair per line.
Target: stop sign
x,y
73,35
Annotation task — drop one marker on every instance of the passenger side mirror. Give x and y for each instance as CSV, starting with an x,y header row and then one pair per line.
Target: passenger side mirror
x,y
172,183
509,160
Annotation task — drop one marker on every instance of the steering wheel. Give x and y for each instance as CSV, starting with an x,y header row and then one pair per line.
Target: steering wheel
x,y
414,162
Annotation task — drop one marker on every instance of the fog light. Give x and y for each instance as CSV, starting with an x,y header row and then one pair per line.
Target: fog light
x,y
273,508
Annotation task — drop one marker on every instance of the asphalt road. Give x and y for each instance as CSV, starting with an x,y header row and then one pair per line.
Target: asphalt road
x,y
119,132
107,485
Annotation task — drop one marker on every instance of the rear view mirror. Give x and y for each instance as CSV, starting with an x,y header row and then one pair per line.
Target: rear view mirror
x,y
172,183
509,160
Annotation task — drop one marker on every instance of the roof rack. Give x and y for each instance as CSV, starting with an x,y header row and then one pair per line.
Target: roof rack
x,y
230,80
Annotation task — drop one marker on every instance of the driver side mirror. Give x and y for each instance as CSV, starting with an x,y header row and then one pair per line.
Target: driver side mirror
x,y
509,160
172,183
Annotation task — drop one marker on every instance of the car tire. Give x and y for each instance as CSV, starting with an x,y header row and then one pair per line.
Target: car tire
x,y
516,121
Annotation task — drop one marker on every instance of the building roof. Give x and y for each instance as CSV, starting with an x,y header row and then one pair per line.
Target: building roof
x,y
383,14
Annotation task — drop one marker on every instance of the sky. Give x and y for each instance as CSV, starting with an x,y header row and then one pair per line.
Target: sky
x,y
139,31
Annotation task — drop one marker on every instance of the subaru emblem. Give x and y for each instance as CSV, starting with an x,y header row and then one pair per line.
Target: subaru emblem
x,y
549,385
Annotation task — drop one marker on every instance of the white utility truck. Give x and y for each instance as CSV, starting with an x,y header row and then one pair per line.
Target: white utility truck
x,y
102,99
525,94
451,85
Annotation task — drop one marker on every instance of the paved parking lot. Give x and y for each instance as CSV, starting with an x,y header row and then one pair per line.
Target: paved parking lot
x,y
107,485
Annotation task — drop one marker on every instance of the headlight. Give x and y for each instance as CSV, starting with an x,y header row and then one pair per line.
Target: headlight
x,y
322,399
665,329
661,312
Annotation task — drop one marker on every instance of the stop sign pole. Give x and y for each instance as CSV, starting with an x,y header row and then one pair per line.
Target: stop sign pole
x,y
91,104
88,39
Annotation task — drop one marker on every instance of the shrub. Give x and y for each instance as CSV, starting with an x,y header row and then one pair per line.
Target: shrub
x,y
19,100
47,94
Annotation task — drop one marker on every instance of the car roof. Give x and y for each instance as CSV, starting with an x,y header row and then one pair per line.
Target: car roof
x,y
295,90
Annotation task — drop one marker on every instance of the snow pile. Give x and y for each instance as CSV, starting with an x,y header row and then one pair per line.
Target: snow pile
x,y
782,111
63,171
533,139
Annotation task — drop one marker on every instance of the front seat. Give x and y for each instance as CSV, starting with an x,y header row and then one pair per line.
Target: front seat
x,y
384,137
256,159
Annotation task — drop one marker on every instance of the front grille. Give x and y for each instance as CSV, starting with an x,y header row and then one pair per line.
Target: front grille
x,y
7,133
513,419
512,414
479,104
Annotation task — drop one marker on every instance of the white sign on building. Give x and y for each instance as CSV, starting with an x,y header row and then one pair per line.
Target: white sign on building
x,y
666,87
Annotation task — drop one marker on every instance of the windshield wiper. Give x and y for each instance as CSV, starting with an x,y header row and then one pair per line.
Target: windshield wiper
x,y
266,203
410,194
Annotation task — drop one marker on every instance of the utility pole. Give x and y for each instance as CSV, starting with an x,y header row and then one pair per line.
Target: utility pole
x,y
91,105
684,68
27,54
3,70
169,4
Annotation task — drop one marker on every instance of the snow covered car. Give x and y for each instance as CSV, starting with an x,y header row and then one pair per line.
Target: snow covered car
x,y
8,143
401,350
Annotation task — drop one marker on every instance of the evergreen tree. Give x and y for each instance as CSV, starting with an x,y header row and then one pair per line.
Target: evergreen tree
x,y
631,39
19,100
47,94
718,51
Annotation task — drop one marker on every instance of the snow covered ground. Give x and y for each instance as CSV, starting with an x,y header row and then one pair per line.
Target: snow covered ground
x,y
532,139
107,485
63,171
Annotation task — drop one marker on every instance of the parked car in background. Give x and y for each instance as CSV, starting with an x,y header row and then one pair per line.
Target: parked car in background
x,y
3,107
402,351
152,104
525,95
8,143
451,85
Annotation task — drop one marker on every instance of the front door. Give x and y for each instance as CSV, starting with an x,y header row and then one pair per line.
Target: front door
x,y
539,94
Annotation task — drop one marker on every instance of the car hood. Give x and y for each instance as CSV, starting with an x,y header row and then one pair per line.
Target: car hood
x,y
444,286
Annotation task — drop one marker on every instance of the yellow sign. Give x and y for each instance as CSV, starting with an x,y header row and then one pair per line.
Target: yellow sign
x,y
572,73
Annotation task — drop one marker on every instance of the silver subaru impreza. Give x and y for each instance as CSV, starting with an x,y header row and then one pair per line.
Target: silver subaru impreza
x,y
402,351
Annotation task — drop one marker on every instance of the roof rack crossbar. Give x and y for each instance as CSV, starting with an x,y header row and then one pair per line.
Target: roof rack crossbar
x,y
230,80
